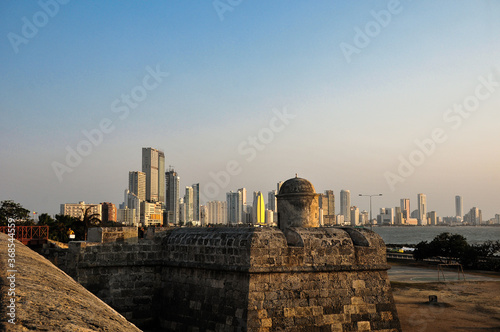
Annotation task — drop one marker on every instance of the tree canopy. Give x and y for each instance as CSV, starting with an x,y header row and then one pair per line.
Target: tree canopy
x,y
11,209
450,248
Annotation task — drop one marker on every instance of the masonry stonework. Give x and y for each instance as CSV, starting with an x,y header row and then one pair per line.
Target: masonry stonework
x,y
299,277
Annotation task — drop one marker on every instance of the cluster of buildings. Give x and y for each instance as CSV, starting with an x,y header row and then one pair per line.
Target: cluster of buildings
x,y
153,198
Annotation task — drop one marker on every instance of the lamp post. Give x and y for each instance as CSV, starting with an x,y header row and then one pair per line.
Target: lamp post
x,y
371,223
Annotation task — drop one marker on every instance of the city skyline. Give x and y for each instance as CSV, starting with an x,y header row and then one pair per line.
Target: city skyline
x,y
392,97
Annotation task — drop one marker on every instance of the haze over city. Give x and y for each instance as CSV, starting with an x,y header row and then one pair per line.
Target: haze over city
x,y
392,97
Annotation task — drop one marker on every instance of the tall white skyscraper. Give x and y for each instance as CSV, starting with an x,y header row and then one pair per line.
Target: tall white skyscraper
x,y
345,205
153,164
172,196
422,209
459,206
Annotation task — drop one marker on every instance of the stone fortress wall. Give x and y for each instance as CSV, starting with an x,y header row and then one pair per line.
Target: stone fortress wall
x,y
300,277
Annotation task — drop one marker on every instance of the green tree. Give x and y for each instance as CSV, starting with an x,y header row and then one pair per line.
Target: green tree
x,y
446,247
11,209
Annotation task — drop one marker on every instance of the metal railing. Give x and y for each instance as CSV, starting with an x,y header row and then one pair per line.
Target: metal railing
x,y
29,234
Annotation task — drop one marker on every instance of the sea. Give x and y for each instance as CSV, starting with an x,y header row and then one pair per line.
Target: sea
x,y
416,234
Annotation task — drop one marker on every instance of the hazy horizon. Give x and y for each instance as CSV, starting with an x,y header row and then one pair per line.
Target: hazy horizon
x,y
392,97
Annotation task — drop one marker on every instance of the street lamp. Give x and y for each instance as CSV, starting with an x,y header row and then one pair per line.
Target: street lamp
x,y
371,223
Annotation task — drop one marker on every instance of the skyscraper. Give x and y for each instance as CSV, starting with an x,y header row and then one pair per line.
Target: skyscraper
x,y
272,200
234,207
172,196
196,201
405,210
188,201
354,215
345,205
327,204
153,164
137,184
161,178
259,210
422,209
459,206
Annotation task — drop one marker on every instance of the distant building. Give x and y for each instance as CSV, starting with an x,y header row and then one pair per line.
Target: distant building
x,y
203,215
327,203
432,217
151,214
78,210
127,217
364,217
422,209
270,218
398,216
259,209
386,216
405,210
339,219
196,202
137,184
133,203
109,212
272,200
234,207
172,196
354,216
188,201
153,165
345,205
459,206
217,213
474,217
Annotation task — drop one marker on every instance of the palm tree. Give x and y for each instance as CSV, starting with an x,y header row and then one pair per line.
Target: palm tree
x,y
90,219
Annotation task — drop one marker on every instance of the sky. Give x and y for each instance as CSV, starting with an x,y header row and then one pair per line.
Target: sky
x,y
392,97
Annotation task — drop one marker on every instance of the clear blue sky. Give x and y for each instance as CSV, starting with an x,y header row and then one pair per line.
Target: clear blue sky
x,y
356,112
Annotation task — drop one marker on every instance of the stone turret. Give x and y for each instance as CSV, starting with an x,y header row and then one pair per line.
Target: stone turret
x,y
298,204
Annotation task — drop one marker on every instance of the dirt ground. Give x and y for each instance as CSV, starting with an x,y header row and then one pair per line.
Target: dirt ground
x,y
462,306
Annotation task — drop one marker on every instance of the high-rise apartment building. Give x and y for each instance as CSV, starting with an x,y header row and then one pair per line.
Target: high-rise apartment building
x,y
188,201
405,210
354,215
459,206
217,212
234,207
327,204
422,209
432,217
196,201
153,165
172,196
345,205
272,201
137,184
